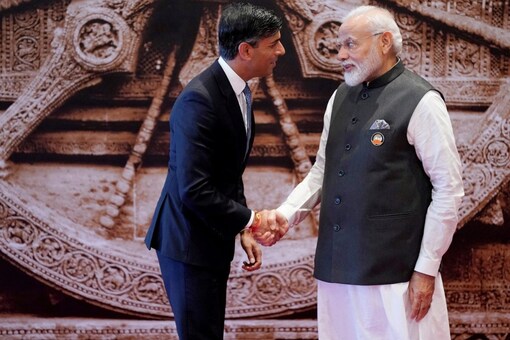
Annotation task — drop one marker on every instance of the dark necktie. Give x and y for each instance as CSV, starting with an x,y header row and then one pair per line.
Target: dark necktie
x,y
247,95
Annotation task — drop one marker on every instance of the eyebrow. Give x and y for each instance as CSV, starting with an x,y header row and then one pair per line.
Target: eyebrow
x,y
275,41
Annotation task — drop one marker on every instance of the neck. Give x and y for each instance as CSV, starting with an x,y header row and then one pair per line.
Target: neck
x,y
239,68
387,65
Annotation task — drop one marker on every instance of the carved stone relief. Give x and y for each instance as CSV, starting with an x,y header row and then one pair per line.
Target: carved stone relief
x,y
106,263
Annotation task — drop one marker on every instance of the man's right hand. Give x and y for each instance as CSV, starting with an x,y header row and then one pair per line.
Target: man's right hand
x,y
271,227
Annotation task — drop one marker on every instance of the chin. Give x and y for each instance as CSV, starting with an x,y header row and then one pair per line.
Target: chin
x,y
352,82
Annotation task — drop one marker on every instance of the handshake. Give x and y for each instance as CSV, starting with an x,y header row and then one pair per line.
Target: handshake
x,y
268,227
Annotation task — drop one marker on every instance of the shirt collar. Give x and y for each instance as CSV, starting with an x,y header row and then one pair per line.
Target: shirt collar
x,y
236,82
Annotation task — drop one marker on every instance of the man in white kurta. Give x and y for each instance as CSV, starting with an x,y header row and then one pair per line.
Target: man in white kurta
x,y
415,309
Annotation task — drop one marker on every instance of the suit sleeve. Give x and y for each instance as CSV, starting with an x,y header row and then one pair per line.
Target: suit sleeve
x,y
194,132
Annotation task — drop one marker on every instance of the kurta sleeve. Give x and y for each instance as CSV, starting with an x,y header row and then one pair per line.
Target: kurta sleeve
x,y
307,194
431,133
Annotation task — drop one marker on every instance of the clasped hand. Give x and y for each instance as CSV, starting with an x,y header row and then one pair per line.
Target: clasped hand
x,y
271,227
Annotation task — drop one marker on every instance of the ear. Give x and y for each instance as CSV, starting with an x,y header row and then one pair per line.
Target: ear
x,y
386,42
245,51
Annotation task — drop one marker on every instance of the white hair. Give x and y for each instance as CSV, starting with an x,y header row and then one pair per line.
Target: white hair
x,y
379,20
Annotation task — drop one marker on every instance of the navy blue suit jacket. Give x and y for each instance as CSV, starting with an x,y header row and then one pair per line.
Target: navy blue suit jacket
x,y
202,205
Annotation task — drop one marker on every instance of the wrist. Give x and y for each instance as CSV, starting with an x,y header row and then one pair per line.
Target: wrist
x,y
257,219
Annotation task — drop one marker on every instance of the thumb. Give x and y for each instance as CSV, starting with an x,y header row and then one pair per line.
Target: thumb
x,y
280,219
249,254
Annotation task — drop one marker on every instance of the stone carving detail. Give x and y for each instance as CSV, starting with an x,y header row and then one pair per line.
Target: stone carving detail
x,y
49,89
49,245
127,284
291,284
486,163
62,75
325,41
18,232
150,288
322,49
314,30
205,49
78,267
99,40
300,280
466,58
26,41
413,44
484,287
49,250
497,152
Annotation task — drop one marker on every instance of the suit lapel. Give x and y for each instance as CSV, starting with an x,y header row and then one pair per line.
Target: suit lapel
x,y
233,109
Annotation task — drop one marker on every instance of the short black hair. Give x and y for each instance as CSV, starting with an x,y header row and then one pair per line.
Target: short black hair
x,y
245,22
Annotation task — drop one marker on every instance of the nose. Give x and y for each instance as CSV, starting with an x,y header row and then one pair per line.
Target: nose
x,y
342,53
281,49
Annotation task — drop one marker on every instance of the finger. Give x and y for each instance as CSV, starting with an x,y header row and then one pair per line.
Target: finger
x,y
263,219
283,223
283,230
280,219
271,220
424,309
248,267
268,236
257,252
415,305
249,254
262,240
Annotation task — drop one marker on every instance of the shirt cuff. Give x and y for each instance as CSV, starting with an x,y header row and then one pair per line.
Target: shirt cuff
x,y
427,266
250,222
288,212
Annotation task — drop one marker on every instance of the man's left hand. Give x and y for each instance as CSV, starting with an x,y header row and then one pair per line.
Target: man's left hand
x,y
252,250
421,288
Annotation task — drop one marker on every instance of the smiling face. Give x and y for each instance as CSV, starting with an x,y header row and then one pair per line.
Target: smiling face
x,y
264,55
364,54
358,52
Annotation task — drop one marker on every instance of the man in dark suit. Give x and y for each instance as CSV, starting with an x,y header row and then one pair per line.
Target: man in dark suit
x,y
202,205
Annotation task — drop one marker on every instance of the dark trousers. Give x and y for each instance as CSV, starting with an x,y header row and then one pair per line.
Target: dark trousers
x,y
197,296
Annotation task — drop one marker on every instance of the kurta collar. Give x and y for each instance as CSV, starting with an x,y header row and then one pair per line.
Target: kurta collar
x,y
386,78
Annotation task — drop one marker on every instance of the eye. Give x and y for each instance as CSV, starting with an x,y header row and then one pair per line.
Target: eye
x,y
350,44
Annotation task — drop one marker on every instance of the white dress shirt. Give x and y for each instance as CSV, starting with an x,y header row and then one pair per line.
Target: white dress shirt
x,y
238,85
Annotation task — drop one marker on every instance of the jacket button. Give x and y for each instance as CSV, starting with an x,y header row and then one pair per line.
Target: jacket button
x,y
336,227
354,120
341,173
348,147
338,200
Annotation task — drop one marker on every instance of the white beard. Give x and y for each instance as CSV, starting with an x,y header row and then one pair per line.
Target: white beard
x,y
364,69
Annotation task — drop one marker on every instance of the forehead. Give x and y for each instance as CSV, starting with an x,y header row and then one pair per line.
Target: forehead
x,y
269,40
353,28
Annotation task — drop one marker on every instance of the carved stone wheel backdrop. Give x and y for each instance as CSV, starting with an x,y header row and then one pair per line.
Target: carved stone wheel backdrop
x,y
123,275
50,212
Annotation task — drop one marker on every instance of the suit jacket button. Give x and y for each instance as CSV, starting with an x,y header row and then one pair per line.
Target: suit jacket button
x,y
348,147
338,200
336,227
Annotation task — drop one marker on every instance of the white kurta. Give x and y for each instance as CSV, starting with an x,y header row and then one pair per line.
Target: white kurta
x,y
379,311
